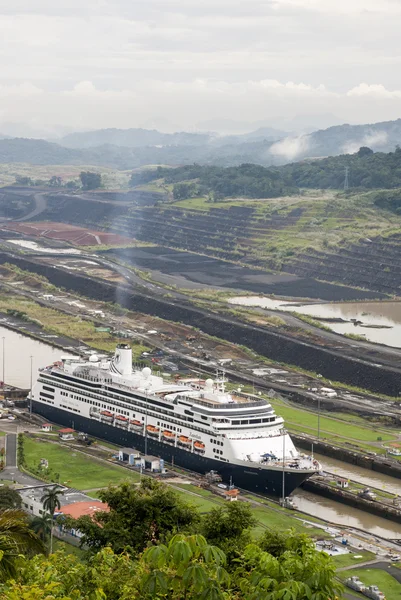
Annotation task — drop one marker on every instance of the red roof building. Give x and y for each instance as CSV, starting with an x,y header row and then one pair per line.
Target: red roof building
x,y
80,509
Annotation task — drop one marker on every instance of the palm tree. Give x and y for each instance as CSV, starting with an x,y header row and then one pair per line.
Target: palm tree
x,y
16,538
42,526
51,502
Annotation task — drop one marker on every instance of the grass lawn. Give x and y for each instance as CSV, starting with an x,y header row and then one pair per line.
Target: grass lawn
x,y
306,420
67,548
76,470
347,560
201,503
385,582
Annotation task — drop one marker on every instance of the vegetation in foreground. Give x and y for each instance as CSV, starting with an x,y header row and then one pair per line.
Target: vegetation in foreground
x,y
169,551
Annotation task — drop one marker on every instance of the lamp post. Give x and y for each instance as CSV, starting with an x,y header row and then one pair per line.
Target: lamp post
x,y
30,393
4,362
318,418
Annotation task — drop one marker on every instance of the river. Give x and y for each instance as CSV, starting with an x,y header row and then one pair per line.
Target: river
x,y
386,315
19,349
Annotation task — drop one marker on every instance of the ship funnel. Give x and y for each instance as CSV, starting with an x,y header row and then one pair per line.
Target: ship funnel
x,y
122,360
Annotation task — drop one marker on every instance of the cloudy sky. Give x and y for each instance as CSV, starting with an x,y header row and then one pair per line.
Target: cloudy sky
x,y
180,63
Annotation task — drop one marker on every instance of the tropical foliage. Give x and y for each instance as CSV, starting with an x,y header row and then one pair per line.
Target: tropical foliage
x,y
9,498
51,503
16,539
137,554
187,567
138,515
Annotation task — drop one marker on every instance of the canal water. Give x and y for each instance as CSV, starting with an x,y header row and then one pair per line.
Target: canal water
x,y
385,316
19,349
17,352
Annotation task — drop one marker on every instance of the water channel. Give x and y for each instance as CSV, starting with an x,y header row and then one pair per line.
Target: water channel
x,y
385,316
19,349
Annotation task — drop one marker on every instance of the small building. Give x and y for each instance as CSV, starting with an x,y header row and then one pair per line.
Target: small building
x,y
231,495
66,434
342,483
129,455
47,427
151,463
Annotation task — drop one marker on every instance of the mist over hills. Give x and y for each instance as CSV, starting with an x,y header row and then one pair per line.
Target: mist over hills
x,y
133,138
129,148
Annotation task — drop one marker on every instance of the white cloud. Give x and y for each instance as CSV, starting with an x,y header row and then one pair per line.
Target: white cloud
x,y
374,140
344,6
374,90
115,62
290,148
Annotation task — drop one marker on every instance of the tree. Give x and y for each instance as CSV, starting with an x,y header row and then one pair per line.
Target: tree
x,y
55,181
16,539
295,576
9,498
42,526
188,567
90,180
50,502
138,516
71,185
277,542
364,151
229,527
21,180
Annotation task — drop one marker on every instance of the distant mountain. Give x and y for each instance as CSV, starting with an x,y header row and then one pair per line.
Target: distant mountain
x,y
341,139
144,147
133,138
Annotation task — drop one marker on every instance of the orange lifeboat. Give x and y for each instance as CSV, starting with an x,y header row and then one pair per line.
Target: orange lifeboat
x,y
152,430
121,418
199,446
184,441
106,413
135,423
168,435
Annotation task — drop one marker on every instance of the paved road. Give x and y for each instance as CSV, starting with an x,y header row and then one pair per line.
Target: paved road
x,y
40,205
11,450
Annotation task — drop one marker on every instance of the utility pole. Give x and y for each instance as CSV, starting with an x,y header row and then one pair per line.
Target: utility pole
x,y
318,418
30,393
346,180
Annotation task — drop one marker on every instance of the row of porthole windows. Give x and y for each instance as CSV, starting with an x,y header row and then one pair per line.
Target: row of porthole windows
x,y
216,442
217,451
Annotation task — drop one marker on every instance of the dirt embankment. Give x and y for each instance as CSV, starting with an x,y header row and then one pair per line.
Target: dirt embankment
x,y
273,345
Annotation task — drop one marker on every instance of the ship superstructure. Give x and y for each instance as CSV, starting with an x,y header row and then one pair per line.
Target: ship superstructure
x,y
195,424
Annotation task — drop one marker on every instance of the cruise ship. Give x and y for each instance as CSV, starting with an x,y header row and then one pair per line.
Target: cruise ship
x,y
194,424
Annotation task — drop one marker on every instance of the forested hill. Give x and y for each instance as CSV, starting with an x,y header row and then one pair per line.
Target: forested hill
x,y
366,171
247,180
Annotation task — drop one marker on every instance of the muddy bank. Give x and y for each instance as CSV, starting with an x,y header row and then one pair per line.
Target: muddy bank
x,y
209,271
